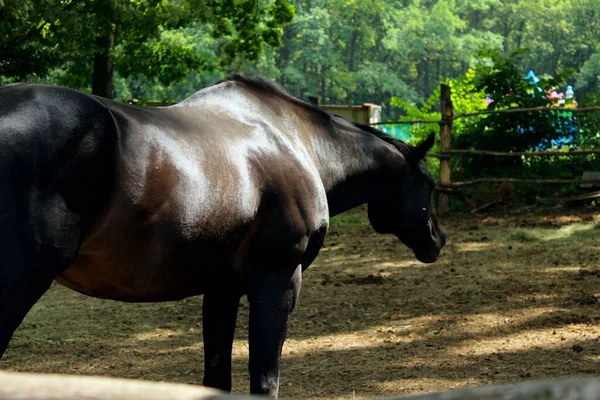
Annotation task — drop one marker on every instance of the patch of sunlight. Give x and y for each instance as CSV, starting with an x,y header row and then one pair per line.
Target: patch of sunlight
x,y
349,258
357,340
519,342
570,230
407,263
325,249
198,346
473,246
561,269
526,338
562,233
338,342
355,395
592,357
157,334
394,332
424,385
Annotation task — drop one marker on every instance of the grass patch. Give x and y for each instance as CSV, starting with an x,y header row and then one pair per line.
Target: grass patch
x,y
354,217
565,233
524,235
568,231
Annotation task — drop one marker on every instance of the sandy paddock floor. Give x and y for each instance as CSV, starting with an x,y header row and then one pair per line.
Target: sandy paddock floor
x,y
512,298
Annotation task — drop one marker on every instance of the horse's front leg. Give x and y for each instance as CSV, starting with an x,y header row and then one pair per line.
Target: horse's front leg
x,y
219,312
272,297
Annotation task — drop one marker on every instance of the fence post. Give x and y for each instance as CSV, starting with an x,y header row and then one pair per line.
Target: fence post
x,y
445,136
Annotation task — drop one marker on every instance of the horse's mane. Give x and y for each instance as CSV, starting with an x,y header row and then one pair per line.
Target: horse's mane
x,y
269,87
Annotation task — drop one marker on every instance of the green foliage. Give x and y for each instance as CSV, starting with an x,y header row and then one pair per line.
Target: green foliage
x,y
589,123
171,58
466,98
424,113
246,25
40,35
589,74
500,78
343,51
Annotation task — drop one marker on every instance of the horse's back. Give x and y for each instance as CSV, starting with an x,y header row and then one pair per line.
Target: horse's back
x,y
219,152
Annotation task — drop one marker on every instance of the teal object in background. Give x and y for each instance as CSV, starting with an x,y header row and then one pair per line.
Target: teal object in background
x,y
398,131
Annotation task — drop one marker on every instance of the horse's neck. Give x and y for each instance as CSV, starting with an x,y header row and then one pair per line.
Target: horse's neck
x,y
349,161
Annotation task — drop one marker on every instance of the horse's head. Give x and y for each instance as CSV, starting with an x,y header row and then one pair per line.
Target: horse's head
x,y
402,206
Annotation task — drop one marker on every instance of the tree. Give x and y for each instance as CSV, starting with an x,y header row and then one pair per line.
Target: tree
x,y
92,38
341,51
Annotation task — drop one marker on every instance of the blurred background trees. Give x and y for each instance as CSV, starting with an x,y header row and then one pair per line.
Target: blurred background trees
x,y
341,51
83,43
394,53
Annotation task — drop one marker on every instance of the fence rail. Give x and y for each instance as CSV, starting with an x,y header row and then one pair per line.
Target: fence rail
x,y
516,180
524,153
410,122
29,386
488,112
522,110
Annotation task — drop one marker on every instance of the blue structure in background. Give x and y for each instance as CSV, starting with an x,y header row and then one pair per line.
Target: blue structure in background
x,y
568,127
397,131
534,79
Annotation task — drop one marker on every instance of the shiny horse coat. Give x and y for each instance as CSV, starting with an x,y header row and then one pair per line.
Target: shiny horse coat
x,y
228,193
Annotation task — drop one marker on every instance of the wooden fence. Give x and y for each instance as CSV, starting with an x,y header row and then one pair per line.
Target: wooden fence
x,y
445,184
28,386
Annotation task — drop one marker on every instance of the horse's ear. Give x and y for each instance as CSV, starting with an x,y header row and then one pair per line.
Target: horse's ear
x,y
421,150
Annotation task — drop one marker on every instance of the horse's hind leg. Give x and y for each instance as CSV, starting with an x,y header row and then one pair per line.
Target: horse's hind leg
x,y
272,298
38,240
18,293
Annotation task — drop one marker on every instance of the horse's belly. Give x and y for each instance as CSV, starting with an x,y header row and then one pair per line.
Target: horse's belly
x,y
89,282
137,273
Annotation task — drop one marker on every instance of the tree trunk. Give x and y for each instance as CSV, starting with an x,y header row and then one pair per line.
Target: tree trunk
x,y
422,82
521,34
284,52
507,30
102,79
353,50
323,84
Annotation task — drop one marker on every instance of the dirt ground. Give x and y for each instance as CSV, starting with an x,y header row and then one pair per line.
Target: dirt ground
x,y
512,298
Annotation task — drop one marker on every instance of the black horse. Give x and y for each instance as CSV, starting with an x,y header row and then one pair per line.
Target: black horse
x,y
224,194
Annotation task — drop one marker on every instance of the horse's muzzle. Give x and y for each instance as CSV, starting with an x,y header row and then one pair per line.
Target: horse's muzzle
x,y
430,252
